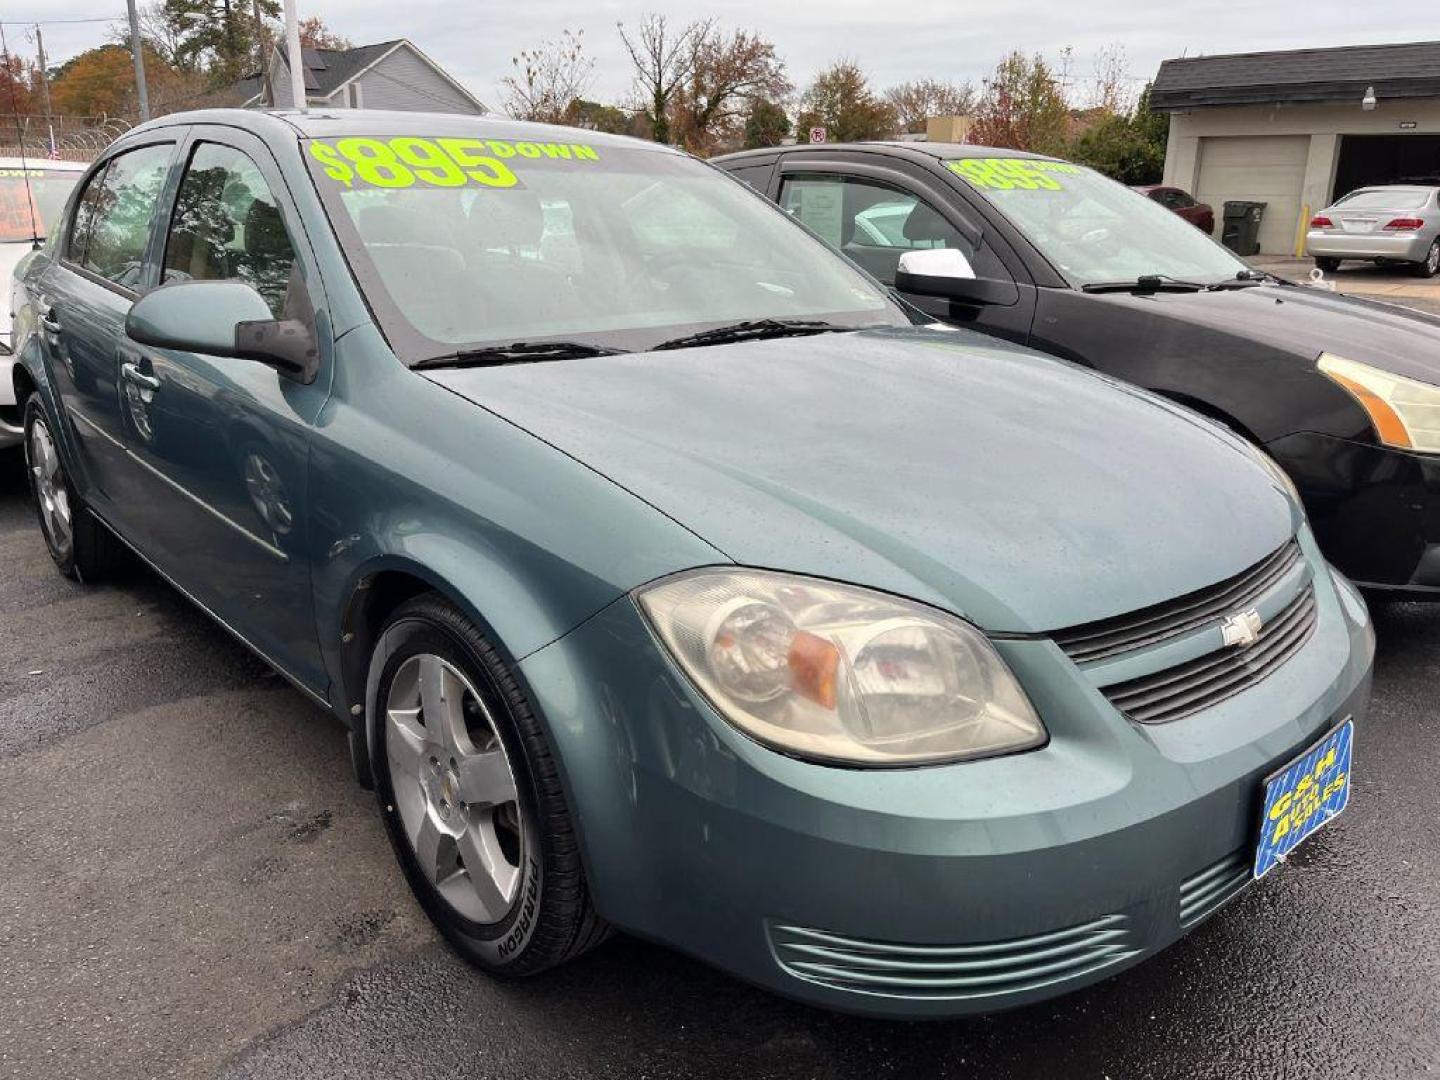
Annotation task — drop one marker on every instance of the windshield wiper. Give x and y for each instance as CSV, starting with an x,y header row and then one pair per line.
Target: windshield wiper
x,y
518,352
1148,283
754,330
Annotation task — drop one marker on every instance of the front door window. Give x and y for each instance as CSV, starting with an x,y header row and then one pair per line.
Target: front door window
x,y
226,225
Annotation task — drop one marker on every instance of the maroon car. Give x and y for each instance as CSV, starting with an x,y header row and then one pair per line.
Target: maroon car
x,y
1183,203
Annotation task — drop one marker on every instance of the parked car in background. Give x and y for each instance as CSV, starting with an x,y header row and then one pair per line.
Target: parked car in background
x,y
1343,392
1199,214
669,576
32,195
1390,224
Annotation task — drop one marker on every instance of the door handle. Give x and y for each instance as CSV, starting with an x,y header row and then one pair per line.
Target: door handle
x,y
133,374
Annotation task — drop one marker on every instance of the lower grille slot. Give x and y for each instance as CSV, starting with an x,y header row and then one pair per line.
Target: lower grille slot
x,y
952,971
1212,888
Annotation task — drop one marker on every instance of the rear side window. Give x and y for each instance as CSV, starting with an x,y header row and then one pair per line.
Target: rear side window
x,y
227,224
113,219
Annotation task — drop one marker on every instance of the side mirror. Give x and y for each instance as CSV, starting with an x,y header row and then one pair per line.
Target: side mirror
x,y
947,274
223,318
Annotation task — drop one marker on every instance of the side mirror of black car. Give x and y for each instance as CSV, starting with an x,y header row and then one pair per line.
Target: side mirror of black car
x,y
223,318
947,274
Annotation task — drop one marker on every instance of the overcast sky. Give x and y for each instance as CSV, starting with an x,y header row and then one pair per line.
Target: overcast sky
x,y
945,39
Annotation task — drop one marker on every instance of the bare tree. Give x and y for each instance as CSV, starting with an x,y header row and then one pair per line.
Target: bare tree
x,y
916,101
727,75
664,60
549,79
1110,90
162,33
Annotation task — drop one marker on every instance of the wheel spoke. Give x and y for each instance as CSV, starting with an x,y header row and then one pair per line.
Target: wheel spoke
x,y
428,841
442,702
405,741
485,779
492,879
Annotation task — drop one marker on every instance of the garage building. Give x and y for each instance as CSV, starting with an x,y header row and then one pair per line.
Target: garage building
x,y
1297,129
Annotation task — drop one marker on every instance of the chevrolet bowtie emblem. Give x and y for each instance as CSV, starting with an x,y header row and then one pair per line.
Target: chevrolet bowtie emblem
x,y
1242,628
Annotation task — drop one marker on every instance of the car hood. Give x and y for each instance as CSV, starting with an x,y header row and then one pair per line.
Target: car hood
x,y
1017,490
1309,321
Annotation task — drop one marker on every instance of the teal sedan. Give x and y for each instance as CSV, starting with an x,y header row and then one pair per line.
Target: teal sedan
x,y
669,575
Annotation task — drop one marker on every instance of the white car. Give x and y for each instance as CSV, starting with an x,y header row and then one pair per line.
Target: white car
x,y
32,197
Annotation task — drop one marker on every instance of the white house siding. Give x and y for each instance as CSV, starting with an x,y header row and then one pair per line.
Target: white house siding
x,y
1292,192
280,83
402,80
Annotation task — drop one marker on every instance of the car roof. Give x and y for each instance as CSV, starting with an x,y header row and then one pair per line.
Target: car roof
x,y
939,151
39,162
333,123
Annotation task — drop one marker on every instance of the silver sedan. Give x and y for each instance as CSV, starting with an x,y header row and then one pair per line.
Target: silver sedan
x,y
1394,223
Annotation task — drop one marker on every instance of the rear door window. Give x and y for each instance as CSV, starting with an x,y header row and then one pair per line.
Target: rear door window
x,y
118,211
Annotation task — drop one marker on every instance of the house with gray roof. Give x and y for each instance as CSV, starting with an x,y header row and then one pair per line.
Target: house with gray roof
x,y
1297,129
387,75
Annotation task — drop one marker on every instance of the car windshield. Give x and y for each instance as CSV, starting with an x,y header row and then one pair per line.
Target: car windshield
x,y
464,243
32,199
1387,198
1093,229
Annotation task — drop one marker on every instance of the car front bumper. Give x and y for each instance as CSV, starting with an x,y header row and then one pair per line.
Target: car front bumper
x,y
1374,509
931,891
1407,246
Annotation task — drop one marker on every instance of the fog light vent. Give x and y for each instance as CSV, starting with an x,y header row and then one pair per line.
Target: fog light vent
x,y
955,972
1214,887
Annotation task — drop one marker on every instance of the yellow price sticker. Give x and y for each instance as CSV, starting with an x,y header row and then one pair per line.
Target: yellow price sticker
x,y
407,160
1012,174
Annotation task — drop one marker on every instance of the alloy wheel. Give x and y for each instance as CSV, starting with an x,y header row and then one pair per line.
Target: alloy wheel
x,y
51,491
454,788
1432,260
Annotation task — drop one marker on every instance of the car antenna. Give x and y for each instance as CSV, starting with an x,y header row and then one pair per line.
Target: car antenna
x,y
20,139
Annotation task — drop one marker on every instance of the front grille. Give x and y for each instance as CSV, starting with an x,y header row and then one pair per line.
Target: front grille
x,y
1149,626
955,972
1190,687
1213,887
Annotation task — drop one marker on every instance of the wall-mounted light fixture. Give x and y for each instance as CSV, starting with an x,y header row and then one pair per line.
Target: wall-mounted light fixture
x,y
1369,101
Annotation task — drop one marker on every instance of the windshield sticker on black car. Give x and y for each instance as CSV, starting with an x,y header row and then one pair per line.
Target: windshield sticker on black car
x,y
1004,174
407,160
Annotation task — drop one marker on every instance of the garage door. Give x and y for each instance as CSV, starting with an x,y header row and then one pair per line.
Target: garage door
x,y
1268,169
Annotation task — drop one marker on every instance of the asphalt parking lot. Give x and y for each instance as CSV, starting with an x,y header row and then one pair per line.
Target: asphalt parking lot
x,y
190,885
1387,284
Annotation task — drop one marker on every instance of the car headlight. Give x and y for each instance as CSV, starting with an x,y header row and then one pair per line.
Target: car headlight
x,y
1405,412
837,673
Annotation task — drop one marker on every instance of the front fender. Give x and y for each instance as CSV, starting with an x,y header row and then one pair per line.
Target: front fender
x,y
407,476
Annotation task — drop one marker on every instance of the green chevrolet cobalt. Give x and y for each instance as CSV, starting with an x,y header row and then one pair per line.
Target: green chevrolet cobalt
x,y
673,578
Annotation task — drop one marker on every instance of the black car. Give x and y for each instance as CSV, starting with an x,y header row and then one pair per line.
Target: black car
x,y
1344,393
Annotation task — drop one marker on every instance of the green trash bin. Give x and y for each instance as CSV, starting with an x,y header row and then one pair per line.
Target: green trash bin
x,y
1241,233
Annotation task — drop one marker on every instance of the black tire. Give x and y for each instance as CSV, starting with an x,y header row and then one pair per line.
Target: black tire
x,y
1327,264
90,552
1431,266
552,918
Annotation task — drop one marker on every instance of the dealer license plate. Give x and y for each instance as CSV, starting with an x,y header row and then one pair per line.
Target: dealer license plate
x,y
1304,795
